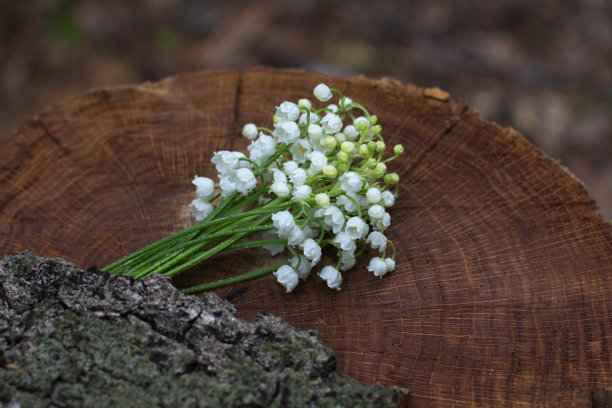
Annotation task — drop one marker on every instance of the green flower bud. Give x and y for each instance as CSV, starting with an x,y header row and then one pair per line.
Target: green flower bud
x,y
342,167
322,200
342,157
340,137
377,129
348,147
398,149
372,146
330,171
371,163
330,142
364,151
380,146
362,126
276,119
379,170
391,178
373,120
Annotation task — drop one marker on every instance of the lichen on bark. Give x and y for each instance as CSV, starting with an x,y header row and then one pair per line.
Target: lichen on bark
x,y
70,337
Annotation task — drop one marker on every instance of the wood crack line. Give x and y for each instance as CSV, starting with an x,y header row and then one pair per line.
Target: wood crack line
x,y
433,145
49,135
236,125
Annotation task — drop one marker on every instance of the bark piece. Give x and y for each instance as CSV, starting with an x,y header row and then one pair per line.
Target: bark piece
x,y
502,289
82,338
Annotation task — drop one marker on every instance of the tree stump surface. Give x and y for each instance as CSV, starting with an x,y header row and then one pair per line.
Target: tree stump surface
x,y
501,296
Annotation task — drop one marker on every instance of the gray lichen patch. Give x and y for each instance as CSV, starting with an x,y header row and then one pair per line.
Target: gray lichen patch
x,y
71,338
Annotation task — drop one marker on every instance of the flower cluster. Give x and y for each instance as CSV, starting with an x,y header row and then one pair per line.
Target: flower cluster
x,y
332,174
317,180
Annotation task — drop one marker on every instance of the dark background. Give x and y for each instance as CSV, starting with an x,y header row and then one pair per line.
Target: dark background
x,y
542,67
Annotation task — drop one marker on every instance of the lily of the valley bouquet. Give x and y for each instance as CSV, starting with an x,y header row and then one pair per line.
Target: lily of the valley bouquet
x,y
318,180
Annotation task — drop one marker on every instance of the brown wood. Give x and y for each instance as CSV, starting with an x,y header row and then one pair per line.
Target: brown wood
x,y
502,292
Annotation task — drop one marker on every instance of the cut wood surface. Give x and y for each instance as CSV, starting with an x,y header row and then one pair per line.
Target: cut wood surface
x,y
502,292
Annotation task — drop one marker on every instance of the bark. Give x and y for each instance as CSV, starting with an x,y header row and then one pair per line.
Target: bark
x,y
501,294
70,337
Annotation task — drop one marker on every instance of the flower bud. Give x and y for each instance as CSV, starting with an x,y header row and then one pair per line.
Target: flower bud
x,y
322,92
351,132
372,146
373,120
342,167
330,142
391,178
347,147
333,107
329,170
345,101
342,157
250,131
380,146
322,200
361,123
276,119
340,137
379,170
377,129
398,149
305,103
315,131
371,163
364,151
376,212
373,195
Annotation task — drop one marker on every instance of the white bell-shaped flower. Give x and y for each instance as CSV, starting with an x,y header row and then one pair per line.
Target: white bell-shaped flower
x,y
344,241
200,208
377,240
388,198
280,189
373,195
302,192
304,268
249,131
317,161
334,218
274,249
377,266
322,92
331,123
295,236
286,276
286,132
205,187
283,221
226,161
350,182
376,212
288,111
312,251
245,181
300,150
356,228
262,148
348,260
332,276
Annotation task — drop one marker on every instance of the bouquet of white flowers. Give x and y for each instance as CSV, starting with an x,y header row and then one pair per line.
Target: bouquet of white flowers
x,y
316,182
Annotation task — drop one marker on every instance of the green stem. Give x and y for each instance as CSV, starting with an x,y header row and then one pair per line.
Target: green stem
x,y
231,281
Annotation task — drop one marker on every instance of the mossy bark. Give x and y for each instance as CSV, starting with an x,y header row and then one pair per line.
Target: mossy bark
x,y
70,337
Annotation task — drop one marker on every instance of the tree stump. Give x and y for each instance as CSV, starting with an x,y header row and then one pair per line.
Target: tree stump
x,y
501,294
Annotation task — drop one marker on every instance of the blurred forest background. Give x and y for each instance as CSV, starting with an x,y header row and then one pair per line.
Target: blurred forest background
x,y
542,67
